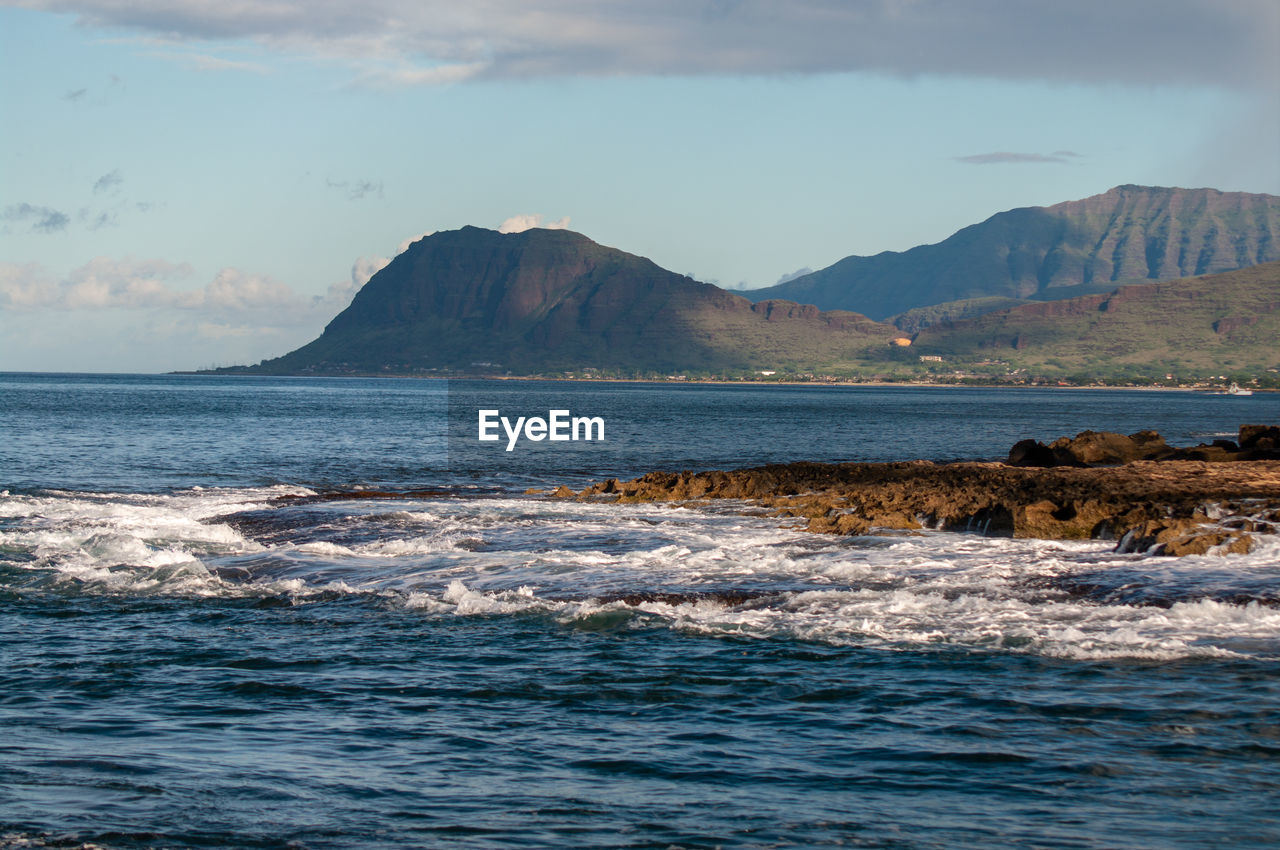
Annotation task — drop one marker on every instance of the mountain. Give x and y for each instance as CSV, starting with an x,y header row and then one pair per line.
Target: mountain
x,y
550,300
1227,322
1129,234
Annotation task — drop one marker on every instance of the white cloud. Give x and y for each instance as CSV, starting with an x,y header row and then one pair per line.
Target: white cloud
x,y
233,291
102,282
364,268
26,285
410,76
1224,43
232,299
221,330
145,315
204,62
521,223
787,278
404,246
131,284
339,294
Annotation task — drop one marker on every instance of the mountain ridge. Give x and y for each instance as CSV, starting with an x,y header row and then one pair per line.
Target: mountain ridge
x,y
475,301
1129,232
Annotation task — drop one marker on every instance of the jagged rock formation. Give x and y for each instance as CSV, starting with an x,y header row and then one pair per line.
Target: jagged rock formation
x,y
1129,234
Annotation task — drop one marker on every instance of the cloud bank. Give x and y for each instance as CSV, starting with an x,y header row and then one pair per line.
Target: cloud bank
x,y
1223,43
106,283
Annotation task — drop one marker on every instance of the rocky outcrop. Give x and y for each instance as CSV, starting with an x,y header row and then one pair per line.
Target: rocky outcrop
x,y
1193,536
1260,437
1105,448
1174,506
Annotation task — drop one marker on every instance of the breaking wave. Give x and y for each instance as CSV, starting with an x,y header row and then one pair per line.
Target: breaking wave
x,y
625,567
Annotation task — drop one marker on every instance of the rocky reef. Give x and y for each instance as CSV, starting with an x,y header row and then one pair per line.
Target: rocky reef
x,y
1104,448
1134,489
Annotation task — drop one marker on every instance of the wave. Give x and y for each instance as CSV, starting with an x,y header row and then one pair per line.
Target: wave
x,y
621,567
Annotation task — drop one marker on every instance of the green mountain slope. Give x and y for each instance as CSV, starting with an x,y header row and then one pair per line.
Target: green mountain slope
x,y
548,300
1129,233
1224,322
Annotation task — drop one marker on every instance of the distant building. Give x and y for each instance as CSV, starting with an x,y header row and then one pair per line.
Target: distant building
x,y
930,358
900,341
767,372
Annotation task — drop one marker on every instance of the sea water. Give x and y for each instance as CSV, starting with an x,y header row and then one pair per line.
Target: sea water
x,y
260,612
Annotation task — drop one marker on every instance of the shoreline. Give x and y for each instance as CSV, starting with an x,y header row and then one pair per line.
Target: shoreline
x,y
1158,507
994,385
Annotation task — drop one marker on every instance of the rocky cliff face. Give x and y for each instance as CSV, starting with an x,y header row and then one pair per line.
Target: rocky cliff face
x,y
543,300
1128,234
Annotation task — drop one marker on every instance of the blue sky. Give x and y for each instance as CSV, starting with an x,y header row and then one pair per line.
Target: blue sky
x,y
189,183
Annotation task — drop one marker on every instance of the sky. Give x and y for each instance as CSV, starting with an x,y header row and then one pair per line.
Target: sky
x,y
194,183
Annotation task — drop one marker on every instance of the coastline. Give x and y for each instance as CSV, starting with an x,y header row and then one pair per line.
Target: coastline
x,y
1160,507
890,384
995,385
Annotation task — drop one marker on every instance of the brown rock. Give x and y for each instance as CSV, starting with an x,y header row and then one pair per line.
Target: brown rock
x,y
1031,453
1150,505
1150,444
1099,447
1201,543
894,519
1259,437
821,525
851,524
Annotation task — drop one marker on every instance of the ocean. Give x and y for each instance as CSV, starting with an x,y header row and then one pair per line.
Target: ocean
x,y
318,613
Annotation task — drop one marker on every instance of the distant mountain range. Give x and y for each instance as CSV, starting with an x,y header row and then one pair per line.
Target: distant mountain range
x,y
1129,234
1055,290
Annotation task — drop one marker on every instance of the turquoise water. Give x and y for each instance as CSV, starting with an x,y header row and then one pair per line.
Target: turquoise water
x,y
204,646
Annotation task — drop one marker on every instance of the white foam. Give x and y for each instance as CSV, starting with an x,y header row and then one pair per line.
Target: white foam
x,y
927,589
127,542
498,557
